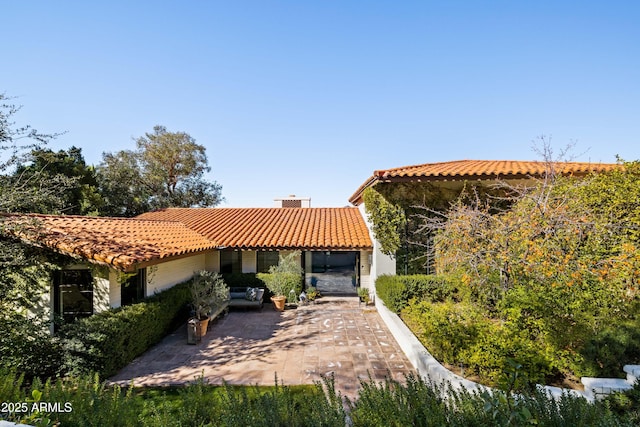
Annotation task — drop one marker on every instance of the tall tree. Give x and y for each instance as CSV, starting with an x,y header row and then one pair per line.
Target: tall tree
x,y
22,267
80,195
19,192
121,185
166,170
17,144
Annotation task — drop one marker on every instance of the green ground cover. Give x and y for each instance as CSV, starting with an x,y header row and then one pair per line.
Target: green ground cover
x,y
86,401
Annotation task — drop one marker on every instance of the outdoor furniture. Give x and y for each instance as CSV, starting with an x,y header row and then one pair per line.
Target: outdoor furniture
x,y
246,297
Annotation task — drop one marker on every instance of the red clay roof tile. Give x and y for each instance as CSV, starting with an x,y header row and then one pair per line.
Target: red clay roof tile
x,y
126,243
121,242
274,228
461,170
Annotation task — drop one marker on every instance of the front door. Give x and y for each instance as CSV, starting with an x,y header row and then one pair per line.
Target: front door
x,y
335,272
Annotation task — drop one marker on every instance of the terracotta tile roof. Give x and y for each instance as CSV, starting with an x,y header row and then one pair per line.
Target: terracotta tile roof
x,y
274,228
123,243
462,170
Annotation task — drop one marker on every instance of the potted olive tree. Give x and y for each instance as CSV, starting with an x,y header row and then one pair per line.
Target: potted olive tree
x,y
284,280
209,296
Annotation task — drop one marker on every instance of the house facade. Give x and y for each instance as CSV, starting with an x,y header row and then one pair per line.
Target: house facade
x,y
119,261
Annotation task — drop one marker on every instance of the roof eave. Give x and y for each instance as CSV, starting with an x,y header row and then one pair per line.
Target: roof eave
x,y
356,198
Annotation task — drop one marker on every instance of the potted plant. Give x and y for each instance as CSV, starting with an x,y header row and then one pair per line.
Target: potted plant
x,y
312,293
209,295
363,295
284,280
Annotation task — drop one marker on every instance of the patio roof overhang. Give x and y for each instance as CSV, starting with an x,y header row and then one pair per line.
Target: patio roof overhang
x,y
478,170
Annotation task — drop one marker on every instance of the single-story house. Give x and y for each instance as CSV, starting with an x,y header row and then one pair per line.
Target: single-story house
x,y
118,261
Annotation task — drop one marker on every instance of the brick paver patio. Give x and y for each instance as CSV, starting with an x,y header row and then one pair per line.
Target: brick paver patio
x,y
334,336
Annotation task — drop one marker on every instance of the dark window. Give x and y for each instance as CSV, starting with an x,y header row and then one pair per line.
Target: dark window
x,y
134,289
230,262
327,261
266,259
73,294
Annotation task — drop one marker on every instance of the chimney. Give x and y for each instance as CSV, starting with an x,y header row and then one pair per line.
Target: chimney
x,y
293,202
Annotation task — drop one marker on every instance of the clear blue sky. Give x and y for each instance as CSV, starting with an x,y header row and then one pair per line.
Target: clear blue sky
x,y
310,97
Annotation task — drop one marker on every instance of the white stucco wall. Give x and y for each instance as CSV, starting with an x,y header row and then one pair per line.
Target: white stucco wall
x,y
168,274
101,289
160,276
381,263
114,288
212,261
249,261
365,269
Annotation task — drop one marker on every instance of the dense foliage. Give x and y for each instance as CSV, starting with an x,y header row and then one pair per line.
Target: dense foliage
x,y
388,220
285,278
398,291
396,211
108,341
551,282
413,402
166,170
24,342
65,170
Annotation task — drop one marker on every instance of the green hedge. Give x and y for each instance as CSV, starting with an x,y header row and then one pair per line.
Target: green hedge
x,y
397,291
108,341
238,280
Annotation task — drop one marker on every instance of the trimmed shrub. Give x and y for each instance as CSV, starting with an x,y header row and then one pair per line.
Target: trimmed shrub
x,y
243,280
27,346
397,291
108,341
390,289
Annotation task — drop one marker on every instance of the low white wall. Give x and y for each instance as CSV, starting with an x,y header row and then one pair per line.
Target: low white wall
x,y
160,276
424,363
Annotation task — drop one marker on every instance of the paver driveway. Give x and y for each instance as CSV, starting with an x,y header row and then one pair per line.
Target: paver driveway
x,y
333,336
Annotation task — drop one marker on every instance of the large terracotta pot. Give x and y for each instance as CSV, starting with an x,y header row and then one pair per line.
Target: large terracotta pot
x,y
278,302
204,324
